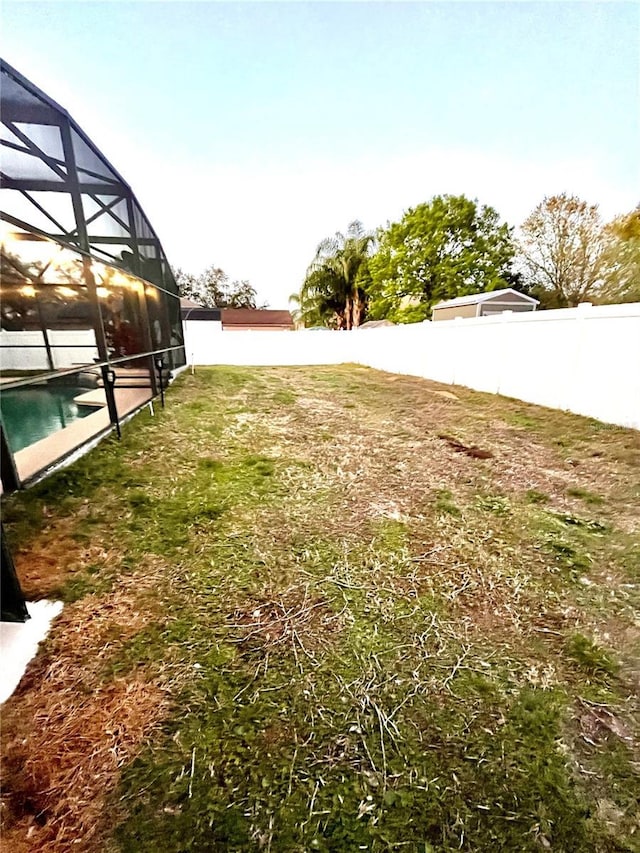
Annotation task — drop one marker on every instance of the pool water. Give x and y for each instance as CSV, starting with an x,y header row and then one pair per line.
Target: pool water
x,y
29,414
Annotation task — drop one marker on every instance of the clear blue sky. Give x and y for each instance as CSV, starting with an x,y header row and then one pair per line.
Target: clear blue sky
x,y
250,131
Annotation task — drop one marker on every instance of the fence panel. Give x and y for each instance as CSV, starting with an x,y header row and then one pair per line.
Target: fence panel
x,y
585,360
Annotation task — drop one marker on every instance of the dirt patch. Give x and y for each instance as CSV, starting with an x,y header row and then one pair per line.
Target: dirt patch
x,y
597,721
473,450
447,395
87,633
43,568
377,466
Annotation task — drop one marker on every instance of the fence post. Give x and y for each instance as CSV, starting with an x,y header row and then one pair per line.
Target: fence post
x,y
505,317
575,390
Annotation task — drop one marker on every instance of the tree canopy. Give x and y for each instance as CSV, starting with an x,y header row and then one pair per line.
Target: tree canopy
x,y
622,259
563,243
333,293
212,289
444,248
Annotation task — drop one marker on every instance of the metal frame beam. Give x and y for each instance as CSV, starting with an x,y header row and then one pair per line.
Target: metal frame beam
x,y
39,185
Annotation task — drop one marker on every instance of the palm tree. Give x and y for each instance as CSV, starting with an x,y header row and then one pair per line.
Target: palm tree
x,y
321,301
331,293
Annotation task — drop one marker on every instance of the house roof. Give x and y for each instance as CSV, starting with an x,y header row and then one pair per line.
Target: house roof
x,y
190,310
256,317
200,314
474,298
189,303
375,324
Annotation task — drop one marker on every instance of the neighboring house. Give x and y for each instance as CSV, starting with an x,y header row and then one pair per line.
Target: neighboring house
x,y
238,319
256,319
190,310
484,304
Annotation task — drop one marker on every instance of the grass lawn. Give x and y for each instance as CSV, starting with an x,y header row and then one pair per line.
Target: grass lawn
x,y
331,609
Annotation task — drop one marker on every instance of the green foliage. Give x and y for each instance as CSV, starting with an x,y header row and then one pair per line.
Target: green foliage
x,y
439,250
321,301
333,293
596,527
496,504
622,256
241,294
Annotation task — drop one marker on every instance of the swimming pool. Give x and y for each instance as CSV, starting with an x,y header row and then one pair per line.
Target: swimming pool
x,y
29,414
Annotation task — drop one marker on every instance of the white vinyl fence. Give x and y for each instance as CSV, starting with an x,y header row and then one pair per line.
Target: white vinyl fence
x,y
26,350
584,360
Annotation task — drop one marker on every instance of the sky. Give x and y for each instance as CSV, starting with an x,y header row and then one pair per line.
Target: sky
x,y
251,131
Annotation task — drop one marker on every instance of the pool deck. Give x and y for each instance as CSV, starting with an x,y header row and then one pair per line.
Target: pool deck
x,y
91,399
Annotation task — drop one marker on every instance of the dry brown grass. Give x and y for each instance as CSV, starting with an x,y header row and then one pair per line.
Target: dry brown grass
x,y
387,446
68,730
69,760
51,559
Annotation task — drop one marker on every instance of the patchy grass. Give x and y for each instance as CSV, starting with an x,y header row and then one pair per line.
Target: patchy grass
x,y
590,657
585,495
534,497
332,609
444,503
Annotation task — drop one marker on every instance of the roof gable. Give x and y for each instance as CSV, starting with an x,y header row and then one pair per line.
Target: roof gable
x,y
486,296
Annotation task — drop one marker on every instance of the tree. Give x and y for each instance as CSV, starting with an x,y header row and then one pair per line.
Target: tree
x,y
441,249
332,293
241,294
320,301
563,244
622,259
212,289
